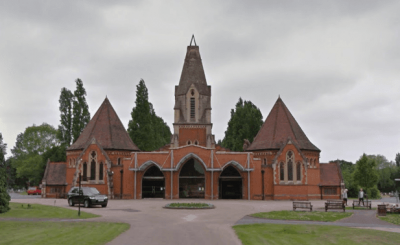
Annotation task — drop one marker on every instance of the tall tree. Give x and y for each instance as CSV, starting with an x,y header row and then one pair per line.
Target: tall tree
x,y
29,148
365,174
347,169
245,122
4,197
65,127
397,159
80,111
146,129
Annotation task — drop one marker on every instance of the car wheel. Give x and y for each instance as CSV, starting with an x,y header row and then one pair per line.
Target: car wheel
x,y
70,202
87,203
104,205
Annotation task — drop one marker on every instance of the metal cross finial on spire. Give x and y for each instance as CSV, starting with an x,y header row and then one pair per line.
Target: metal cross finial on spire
x,y
193,39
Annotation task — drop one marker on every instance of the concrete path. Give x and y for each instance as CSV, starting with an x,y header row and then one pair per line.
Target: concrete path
x,y
152,224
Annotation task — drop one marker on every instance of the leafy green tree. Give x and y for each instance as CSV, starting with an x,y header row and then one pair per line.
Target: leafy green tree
x,y
65,127
347,169
4,197
28,151
366,174
386,171
80,111
146,129
397,159
245,122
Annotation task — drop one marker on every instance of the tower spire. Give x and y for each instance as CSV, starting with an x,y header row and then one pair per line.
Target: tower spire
x,y
191,40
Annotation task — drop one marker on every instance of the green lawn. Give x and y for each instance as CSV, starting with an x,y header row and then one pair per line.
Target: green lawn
x,y
359,208
311,234
19,210
303,215
23,193
19,232
391,218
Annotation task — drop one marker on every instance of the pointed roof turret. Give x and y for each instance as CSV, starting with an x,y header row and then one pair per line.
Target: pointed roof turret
x,y
107,129
193,72
279,125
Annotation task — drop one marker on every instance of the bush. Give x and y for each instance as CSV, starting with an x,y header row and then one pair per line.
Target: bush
x,y
4,197
374,193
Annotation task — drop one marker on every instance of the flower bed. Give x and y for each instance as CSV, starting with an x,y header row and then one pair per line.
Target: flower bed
x,y
192,205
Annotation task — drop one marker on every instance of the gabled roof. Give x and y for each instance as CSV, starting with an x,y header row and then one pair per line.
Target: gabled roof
x,y
55,173
279,125
193,73
330,174
108,130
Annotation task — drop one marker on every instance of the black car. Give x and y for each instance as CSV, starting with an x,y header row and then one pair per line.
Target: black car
x,y
89,196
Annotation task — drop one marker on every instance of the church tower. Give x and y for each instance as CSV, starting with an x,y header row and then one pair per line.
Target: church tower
x,y
192,110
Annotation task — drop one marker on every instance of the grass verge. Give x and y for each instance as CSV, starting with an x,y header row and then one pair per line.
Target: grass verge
x,y
21,232
359,208
391,218
311,234
19,210
302,215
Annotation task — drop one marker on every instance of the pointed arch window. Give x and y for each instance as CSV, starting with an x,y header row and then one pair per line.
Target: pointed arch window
x,y
101,171
298,171
282,171
192,108
93,162
84,171
289,162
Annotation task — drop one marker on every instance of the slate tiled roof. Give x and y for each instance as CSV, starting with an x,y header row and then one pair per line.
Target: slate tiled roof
x,y
277,128
55,173
193,73
107,129
330,174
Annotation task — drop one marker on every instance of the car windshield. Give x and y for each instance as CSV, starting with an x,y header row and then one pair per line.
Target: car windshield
x,y
32,188
91,191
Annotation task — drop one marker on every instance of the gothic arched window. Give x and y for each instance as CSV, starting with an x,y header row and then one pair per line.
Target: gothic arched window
x,y
93,162
101,171
84,177
298,171
282,171
289,162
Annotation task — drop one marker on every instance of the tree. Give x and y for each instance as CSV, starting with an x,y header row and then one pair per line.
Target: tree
x,y
146,129
365,174
386,171
80,111
28,151
245,122
4,197
65,127
347,169
397,159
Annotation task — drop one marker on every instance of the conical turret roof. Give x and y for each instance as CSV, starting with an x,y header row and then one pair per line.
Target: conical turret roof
x,y
277,128
107,129
193,73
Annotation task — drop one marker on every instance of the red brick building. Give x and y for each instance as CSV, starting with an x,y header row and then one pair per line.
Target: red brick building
x,y
281,163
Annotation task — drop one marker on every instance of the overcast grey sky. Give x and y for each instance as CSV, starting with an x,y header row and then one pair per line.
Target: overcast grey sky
x,y
335,64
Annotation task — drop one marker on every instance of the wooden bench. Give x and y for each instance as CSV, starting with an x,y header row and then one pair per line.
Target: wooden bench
x,y
367,204
304,205
334,205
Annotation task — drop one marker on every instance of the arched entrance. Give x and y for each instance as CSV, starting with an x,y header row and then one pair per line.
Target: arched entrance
x,y
153,183
192,180
230,184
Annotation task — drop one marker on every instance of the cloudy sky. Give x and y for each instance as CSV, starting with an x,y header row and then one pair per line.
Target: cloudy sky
x,y
335,64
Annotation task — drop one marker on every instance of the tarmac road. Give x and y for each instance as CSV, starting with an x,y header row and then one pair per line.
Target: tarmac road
x,y
152,224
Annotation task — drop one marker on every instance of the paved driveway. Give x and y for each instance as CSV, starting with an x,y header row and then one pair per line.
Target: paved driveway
x,y
152,224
